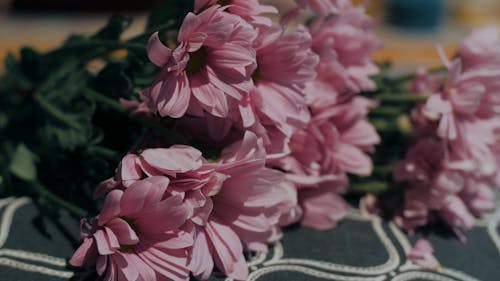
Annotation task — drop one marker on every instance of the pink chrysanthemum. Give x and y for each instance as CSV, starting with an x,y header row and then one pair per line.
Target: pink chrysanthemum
x,y
459,122
276,107
245,214
131,239
249,10
235,202
442,187
334,144
209,70
479,52
345,44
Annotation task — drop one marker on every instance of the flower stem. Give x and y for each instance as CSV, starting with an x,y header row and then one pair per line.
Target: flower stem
x,y
43,192
373,187
410,98
103,100
54,111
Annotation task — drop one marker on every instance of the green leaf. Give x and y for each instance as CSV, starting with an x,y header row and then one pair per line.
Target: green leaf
x,y
4,120
16,75
114,82
67,136
23,163
32,64
114,28
170,10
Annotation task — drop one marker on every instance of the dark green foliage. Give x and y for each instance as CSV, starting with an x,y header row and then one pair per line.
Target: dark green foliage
x,y
62,129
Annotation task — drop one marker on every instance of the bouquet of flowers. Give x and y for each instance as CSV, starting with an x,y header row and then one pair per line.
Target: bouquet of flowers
x,y
223,123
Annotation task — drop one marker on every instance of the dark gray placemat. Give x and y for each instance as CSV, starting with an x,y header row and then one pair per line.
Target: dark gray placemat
x,y
362,247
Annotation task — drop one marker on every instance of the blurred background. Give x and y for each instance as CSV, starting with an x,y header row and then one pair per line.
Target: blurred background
x,y
410,29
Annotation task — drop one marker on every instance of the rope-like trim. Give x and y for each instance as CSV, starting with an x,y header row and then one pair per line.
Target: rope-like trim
x,y
421,275
7,217
391,264
309,271
493,229
35,268
33,257
401,237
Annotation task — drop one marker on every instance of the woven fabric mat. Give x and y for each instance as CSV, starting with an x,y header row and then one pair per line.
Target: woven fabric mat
x,y
362,247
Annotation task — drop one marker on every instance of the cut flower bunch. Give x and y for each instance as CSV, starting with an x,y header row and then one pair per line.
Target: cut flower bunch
x,y
198,141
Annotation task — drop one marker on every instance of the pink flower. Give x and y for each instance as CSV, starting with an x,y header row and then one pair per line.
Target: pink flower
x,y
478,195
245,214
325,7
460,99
345,44
422,255
131,239
435,184
334,144
209,70
452,168
276,107
235,203
323,207
479,52
480,48
249,10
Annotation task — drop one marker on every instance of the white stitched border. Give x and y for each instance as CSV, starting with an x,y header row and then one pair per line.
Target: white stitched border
x,y
309,271
35,268
7,217
33,257
391,264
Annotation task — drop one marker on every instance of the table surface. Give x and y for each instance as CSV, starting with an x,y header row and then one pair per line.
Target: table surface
x,y
362,248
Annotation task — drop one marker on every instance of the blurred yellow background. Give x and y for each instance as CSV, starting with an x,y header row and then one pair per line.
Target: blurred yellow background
x,y
45,30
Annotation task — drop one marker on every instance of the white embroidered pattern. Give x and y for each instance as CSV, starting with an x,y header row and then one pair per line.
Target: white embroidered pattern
x,y
396,268
17,259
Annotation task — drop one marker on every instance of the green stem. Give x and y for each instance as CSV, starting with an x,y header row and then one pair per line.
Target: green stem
x,y
410,98
383,170
374,186
53,198
103,100
382,125
386,111
103,151
54,111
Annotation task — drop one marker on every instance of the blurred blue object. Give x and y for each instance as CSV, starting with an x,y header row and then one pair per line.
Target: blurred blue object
x,y
415,14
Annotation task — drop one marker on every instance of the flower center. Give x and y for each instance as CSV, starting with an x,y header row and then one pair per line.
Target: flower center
x,y
197,61
126,248
256,75
223,2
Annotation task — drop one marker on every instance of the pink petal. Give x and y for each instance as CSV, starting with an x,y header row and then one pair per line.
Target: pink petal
x,y
201,263
178,159
128,169
226,247
125,234
158,53
85,254
111,207
422,255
